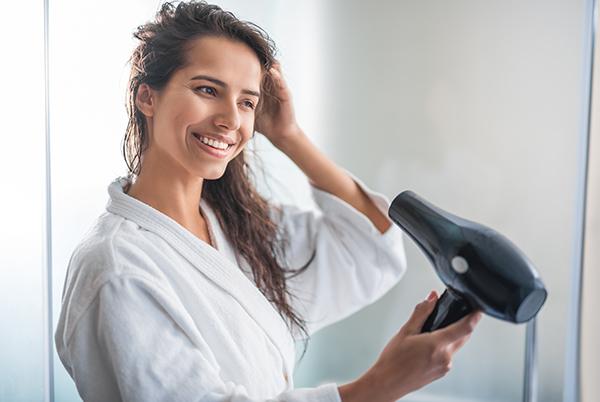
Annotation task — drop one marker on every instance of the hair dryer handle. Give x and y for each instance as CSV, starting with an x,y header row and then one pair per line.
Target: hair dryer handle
x,y
449,308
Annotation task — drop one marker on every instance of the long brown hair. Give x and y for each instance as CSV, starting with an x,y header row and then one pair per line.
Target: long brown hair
x,y
245,216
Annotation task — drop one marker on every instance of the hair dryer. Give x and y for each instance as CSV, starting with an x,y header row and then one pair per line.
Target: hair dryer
x,y
482,269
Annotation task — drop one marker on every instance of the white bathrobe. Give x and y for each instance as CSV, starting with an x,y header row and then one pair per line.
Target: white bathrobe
x,y
152,313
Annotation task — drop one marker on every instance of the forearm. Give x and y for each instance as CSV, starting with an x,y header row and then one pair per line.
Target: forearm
x,y
324,174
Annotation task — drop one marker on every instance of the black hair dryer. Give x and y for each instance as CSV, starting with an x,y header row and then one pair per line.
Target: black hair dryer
x,y
481,268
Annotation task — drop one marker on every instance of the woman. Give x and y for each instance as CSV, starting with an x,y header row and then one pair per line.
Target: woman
x,y
192,287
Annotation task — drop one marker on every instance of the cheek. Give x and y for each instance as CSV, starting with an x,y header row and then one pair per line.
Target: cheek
x,y
248,127
182,107
171,117
240,149
247,136
185,112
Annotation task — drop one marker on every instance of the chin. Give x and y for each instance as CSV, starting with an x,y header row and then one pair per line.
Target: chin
x,y
212,174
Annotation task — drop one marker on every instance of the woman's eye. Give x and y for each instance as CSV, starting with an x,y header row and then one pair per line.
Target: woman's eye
x,y
207,90
248,104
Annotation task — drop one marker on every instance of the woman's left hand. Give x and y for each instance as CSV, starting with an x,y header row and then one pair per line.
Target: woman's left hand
x,y
277,120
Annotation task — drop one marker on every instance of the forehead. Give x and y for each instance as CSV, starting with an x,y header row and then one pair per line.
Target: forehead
x,y
230,61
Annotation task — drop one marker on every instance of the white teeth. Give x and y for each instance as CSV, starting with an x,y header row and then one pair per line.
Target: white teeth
x,y
213,143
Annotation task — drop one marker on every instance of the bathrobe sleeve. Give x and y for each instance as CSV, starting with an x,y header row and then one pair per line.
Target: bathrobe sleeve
x,y
136,331
353,264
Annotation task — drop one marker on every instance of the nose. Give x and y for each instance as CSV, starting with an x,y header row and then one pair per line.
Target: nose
x,y
228,116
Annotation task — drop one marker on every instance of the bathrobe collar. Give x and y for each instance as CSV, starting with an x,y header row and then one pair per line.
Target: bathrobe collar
x,y
209,261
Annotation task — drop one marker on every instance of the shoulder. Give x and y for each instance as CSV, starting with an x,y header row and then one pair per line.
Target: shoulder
x,y
112,249
115,246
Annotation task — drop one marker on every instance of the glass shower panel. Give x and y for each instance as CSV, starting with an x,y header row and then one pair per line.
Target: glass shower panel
x,y
22,203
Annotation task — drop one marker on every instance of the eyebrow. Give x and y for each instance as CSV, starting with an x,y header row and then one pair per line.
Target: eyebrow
x,y
222,84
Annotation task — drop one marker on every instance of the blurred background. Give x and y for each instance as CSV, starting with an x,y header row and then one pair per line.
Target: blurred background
x,y
481,107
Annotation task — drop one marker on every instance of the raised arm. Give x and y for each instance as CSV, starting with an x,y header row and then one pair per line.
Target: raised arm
x,y
327,176
278,124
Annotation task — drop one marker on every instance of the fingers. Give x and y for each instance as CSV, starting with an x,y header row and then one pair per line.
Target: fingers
x,y
276,65
463,327
275,70
277,75
419,315
453,347
280,87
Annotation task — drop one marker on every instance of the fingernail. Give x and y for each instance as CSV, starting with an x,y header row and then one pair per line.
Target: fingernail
x,y
431,296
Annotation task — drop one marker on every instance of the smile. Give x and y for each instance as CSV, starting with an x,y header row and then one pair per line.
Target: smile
x,y
213,147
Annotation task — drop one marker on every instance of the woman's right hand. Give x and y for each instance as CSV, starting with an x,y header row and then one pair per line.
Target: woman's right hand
x,y
411,359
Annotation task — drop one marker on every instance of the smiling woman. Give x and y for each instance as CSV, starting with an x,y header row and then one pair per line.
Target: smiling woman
x,y
202,88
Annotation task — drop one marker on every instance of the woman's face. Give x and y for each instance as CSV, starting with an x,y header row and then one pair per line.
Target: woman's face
x,y
204,116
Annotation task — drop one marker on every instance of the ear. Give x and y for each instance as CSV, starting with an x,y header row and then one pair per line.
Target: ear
x,y
145,99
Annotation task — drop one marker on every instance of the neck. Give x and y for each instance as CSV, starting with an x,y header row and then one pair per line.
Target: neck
x,y
171,190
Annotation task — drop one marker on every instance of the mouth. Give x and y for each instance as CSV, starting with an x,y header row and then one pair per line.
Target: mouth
x,y
213,147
